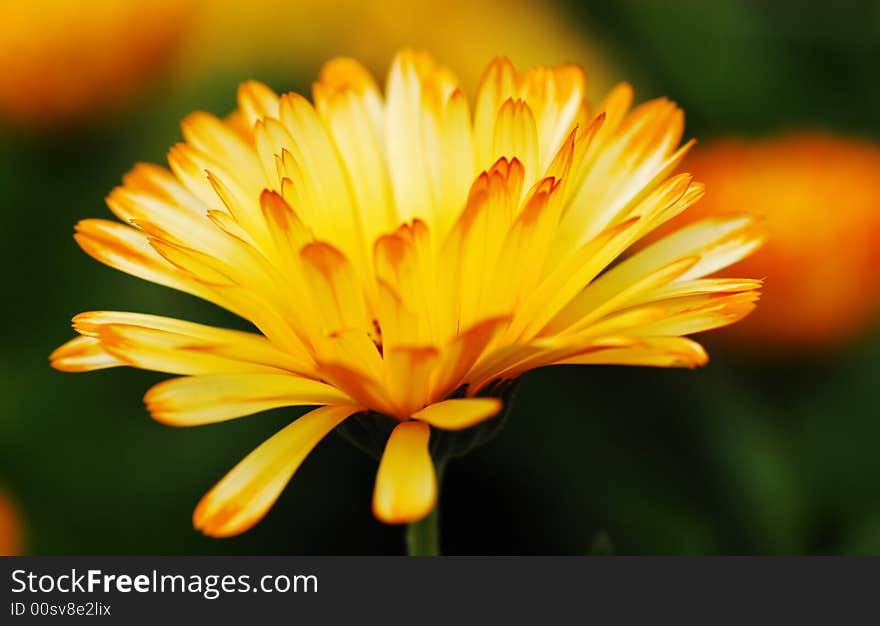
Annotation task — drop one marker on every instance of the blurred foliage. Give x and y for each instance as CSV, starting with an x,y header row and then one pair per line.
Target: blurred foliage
x,y
739,457
749,66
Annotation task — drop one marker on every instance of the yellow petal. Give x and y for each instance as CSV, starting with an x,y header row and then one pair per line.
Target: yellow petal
x,y
161,183
242,203
619,323
541,352
189,166
220,185
256,100
555,95
335,288
342,75
198,266
569,278
177,347
406,483
526,246
127,249
418,90
459,413
498,83
244,496
604,296
358,385
289,235
516,136
685,317
179,224
212,136
285,225
461,353
699,287
471,250
667,200
83,354
650,351
408,375
335,216
616,105
273,144
716,241
455,168
210,398
624,164
404,270
349,102
493,365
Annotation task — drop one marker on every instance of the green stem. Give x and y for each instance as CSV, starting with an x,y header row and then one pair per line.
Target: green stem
x,y
423,536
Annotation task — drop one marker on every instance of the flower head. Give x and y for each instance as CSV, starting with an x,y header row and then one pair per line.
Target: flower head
x,y
404,255
819,199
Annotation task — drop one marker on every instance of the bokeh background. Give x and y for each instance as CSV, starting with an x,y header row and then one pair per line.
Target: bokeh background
x,y
760,452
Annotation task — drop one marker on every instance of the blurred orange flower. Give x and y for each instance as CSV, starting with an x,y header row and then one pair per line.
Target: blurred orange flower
x,y
232,36
820,198
60,63
63,60
10,527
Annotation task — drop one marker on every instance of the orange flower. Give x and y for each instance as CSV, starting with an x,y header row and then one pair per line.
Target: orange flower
x,y
405,256
819,197
62,60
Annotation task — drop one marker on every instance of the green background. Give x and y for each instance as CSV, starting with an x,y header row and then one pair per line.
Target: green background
x,y
739,457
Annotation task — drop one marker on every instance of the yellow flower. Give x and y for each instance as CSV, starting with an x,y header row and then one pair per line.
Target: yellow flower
x,y
819,198
402,255
62,60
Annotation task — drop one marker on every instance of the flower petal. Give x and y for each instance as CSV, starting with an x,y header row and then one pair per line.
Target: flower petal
x,y
459,413
249,490
624,164
498,83
175,346
321,173
516,136
650,351
335,288
127,249
83,354
461,353
256,100
555,96
349,103
160,183
408,371
601,297
696,314
210,398
417,93
406,483
212,136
